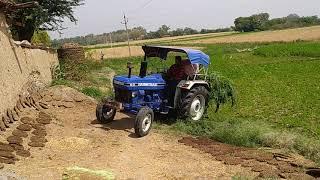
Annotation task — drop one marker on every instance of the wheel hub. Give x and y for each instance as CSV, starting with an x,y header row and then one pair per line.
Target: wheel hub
x,y
107,111
197,108
146,124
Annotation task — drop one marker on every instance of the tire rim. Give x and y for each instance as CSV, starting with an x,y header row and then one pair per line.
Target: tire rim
x,y
107,112
146,123
197,107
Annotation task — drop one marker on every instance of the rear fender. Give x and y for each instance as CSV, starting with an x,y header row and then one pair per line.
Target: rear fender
x,y
187,85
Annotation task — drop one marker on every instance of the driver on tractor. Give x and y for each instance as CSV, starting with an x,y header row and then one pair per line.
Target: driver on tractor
x,y
181,69
177,72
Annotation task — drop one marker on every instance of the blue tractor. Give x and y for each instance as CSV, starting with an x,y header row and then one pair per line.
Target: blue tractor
x,y
146,94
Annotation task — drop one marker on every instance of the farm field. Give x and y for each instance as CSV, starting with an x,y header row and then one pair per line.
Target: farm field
x,y
278,92
278,96
117,52
120,50
166,39
288,35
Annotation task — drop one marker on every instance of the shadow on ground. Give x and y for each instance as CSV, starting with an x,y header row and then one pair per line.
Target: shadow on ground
x,y
127,123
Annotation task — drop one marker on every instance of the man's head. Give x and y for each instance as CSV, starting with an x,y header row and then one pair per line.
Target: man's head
x,y
178,59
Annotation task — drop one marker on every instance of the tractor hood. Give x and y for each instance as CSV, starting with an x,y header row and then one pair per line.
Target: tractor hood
x,y
151,82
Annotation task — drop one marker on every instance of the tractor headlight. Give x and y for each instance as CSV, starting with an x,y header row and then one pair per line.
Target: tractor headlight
x,y
134,94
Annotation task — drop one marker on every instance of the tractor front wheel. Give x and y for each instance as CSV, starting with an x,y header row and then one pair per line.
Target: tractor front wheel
x,y
105,112
194,103
143,122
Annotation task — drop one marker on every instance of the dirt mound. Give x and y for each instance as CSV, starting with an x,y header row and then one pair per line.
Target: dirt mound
x,y
58,96
36,144
24,127
267,164
14,140
23,153
27,120
6,147
19,133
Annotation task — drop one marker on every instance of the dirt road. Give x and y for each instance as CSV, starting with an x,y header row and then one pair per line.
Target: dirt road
x,y
77,141
79,147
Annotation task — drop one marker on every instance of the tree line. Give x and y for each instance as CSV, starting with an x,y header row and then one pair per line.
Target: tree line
x,y
262,22
136,33
256,22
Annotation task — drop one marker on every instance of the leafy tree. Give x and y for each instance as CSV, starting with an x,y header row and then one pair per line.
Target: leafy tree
x,y
243,24
293,17
189,31
255,22
258,21
164,30
177,32
138,33
49,15
153,35
261,22
41,38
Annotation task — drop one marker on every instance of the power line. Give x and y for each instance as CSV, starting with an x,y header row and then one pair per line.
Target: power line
x,y
142,6
146,4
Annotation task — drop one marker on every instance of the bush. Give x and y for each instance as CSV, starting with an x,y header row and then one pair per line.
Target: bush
x,y
222,90
74,70
41,38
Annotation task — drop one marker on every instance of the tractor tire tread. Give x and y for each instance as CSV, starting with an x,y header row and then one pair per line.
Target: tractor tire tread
x,y
99,114
139,119
186,100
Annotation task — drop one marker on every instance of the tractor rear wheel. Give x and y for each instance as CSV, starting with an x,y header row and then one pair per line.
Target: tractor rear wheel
x,y
143,122
105,112
194,103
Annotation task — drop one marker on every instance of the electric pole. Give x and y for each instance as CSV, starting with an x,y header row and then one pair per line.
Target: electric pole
x,y
110,36
126,25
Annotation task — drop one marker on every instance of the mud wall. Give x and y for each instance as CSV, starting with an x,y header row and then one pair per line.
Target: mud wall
x,y
21,69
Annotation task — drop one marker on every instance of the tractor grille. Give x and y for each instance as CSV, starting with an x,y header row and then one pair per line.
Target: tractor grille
x,y
123,96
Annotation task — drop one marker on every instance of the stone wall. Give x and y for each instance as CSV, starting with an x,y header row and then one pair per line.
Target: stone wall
x,y
21,69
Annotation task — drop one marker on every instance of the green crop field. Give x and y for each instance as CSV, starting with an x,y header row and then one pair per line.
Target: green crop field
x,y
278,95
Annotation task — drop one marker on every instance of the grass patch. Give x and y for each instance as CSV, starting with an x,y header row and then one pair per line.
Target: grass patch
x,y
277,100
92,92
249,133
301,49
90,77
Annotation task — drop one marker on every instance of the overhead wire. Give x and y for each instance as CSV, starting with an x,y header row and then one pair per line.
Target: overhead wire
x,y
142,6
134,14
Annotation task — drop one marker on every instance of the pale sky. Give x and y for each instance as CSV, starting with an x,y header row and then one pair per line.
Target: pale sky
x,y
100,16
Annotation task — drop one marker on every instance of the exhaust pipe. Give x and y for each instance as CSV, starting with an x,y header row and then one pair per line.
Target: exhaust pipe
x,y
130,67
